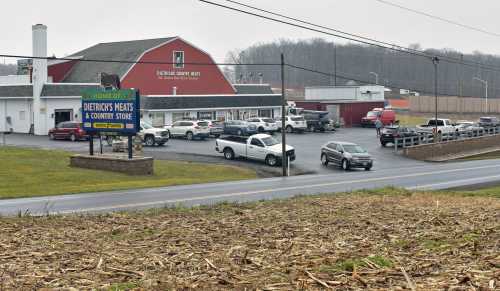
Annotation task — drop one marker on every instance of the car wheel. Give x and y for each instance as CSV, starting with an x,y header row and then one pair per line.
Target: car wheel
x,y
383,144
51,136
217,135
312,128
189,135
289,129
368,168
345,165
271,160
324,160
149,141
239,132
72,137
261,130
228,154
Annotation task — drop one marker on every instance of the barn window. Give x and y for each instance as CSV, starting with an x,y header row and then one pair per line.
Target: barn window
x,y
178,59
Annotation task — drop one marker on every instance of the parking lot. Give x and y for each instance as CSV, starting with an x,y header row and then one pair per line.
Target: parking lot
x,y
307,146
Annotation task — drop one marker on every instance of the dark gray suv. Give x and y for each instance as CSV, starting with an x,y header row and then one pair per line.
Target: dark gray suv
x,y
345,155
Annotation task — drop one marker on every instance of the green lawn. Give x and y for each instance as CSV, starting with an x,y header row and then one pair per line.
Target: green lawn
x,y
33,172
410,120
487,192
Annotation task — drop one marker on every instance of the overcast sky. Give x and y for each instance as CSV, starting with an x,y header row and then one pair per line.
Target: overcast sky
x,y
76,25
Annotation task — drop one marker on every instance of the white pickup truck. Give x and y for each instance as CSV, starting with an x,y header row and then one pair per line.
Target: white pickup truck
x,y
261,147
444,126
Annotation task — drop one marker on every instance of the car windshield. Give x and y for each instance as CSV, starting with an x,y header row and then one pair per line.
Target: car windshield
x,y
298,118
146,125
432,122
373,114
268,120
203,123
353,149
270,141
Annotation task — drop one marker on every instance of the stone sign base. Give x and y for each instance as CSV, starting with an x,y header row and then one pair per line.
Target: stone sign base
x,y
114,163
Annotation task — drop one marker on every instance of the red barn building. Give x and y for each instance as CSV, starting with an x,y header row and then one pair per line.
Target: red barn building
x,y
165,70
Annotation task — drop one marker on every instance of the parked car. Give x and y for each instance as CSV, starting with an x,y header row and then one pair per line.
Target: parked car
x,y
189,129
264,124
293,123
68,130
149,135
469,128
316,120
388,117
239,127
261,147
444,126
153,135
390,133
216,127
488,122
346,155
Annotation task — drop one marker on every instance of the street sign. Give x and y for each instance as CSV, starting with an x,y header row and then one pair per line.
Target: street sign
x,y
114,111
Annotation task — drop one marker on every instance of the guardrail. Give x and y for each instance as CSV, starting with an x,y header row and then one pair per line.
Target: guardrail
x,y
427,138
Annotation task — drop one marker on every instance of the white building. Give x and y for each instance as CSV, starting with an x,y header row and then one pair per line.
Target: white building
x,y
355,93
169,92
38,106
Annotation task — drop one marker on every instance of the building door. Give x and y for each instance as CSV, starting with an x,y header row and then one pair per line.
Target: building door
x,y
62,115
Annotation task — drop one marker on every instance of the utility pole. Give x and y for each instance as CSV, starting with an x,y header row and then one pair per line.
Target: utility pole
x,y
486,91
435,61
284,158
334,65
461,85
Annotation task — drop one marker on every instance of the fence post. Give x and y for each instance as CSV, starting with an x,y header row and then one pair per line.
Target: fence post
x,y
396,144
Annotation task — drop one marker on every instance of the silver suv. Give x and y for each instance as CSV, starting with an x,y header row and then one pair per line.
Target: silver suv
x,y
345,155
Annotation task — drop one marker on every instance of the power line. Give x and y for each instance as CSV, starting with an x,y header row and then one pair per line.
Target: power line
x,y
351,37
470,27
134,62
392,86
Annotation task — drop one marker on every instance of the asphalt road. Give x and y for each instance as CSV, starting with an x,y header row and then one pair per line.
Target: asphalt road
x,y
426,176
307,146
390,170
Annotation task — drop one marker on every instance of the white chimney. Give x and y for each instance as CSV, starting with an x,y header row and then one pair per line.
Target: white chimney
x,y
174,90
39,38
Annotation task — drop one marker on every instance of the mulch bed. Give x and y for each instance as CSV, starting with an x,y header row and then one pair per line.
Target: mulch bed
x,y
359,241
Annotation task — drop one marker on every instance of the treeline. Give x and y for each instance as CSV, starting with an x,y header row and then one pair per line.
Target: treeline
x,y
398,69
9,69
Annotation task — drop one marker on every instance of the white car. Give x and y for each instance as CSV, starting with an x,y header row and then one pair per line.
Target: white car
x,y
443,126
293,123
189,129
264,124
261,147
149,135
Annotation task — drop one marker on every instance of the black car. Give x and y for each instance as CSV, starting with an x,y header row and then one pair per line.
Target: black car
x,y
390,133
345,155
488,122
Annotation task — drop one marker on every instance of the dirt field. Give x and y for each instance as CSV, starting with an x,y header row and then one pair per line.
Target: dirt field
x,y
389,240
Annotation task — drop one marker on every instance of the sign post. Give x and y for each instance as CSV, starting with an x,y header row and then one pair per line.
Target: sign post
x,y
114,111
